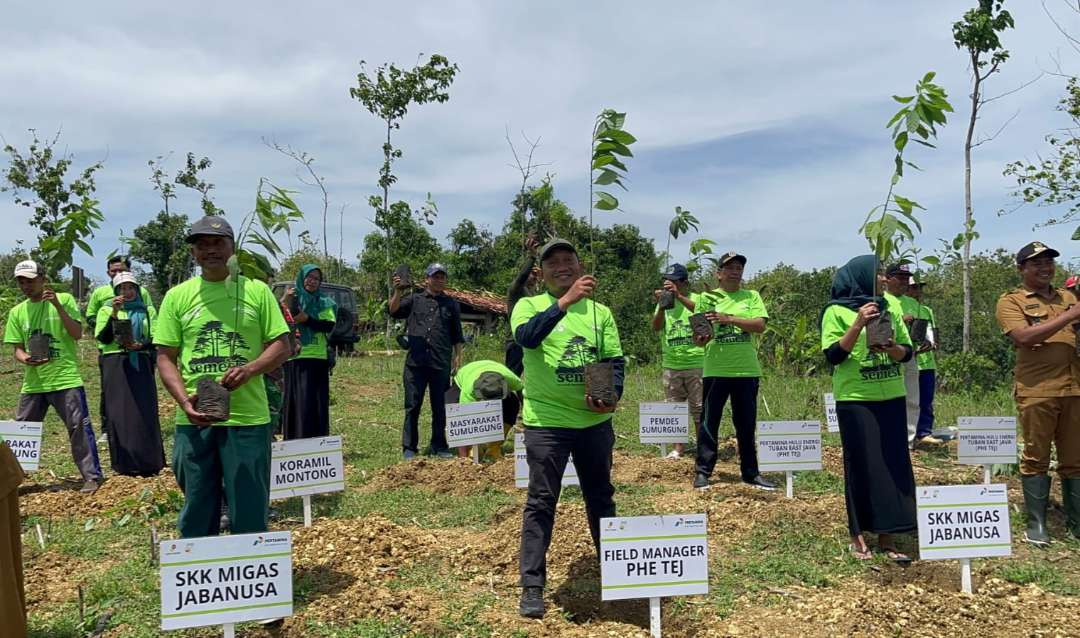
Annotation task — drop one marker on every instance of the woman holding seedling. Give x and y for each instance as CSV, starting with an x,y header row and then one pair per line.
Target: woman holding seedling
x,y
306,410
868,382
127,380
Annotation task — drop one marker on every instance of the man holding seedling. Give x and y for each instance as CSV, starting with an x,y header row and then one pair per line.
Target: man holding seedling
x,y
897,283
433,329
1041,321
44,328
228,328
562,331
682,358
927,366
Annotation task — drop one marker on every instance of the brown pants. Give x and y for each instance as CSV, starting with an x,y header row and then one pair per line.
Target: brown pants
x,y
12,595
1050,420
684,385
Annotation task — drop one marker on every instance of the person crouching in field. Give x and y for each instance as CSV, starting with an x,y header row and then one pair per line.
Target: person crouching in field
x,y
231,331
127,380
1041,322
559,331
52,319
868,382
487,380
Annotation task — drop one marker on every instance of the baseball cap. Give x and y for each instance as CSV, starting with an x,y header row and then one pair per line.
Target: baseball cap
x,y
210,225
731,255
28,269
677,272
554,244
490,386
123,278
898,270
1034,249
434,268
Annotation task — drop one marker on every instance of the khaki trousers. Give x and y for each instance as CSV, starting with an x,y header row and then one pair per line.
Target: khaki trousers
x,y
1046,420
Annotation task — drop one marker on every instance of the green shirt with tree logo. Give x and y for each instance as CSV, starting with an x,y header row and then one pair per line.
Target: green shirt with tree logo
x,y
732,351
103,316
555,370
29,318
677,341
470,372
927,360
864,375
200,318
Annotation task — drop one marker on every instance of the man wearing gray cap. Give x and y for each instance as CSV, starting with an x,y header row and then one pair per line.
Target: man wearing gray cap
x,y
433,330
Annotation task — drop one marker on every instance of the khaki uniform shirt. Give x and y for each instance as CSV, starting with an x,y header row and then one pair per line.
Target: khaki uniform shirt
x,y
1051,368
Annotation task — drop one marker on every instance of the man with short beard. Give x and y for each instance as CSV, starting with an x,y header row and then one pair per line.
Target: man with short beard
x,y
561,331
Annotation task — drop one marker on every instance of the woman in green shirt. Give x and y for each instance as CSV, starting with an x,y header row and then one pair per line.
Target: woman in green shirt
x,y
306,409
128,390
879,486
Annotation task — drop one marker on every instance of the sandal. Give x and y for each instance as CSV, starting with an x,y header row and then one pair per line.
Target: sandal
x,y
860,554
896,556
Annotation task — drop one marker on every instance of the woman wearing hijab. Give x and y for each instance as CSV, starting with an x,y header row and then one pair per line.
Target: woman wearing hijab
x,y
306,410
127,381
868,383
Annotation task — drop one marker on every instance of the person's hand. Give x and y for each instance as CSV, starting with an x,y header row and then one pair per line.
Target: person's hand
x,y
908,318
925,347
532,244
50,296
597,405
117,303
866,314
301,317
718,317
290,292
656,294
582,288
885,348
236,377
701,340
192,412
670,285
25,359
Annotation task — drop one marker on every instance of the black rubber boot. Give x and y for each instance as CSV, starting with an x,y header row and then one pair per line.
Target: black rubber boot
x,y
1036,499
1070,495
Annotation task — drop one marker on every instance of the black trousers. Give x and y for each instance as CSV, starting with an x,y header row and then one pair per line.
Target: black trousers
x,y
416,380
548,450
743,392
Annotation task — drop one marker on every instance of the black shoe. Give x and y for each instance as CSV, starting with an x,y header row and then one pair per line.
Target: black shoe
x,y
1036,499
532,602
701,481
760,483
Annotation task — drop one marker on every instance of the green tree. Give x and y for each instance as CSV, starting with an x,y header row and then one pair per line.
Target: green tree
x,y
977,33
471,254
159,243
408,238
189,178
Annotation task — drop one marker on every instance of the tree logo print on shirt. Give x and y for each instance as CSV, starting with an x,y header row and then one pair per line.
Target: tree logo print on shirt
x,y
728,333
215,349
577,354
680,334
878,366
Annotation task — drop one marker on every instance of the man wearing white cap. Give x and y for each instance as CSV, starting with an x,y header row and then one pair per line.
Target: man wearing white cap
x,y
43,328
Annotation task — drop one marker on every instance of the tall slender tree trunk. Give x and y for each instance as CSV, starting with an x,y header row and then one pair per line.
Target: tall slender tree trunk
x,y
386,220
969,214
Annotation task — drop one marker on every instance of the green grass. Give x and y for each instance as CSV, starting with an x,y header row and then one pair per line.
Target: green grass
x,y
416,506
1042,574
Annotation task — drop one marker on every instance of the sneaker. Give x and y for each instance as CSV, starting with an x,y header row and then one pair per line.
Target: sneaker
x,y
532,602
408,455
760,483
674,454
90,486
701,481
445,454
928,441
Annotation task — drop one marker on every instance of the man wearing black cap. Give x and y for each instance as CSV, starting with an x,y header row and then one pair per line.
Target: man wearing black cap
x,y
562,331
433,329
897,284
1041,322
682,358
229,329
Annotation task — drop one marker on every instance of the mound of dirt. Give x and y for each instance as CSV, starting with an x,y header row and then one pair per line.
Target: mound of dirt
x,y
637,469
450,476
117,494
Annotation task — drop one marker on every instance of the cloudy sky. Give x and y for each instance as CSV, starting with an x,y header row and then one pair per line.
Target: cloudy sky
x,y
764,119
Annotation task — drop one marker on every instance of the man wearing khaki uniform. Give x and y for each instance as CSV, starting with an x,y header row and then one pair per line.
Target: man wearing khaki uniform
x,y
1039,319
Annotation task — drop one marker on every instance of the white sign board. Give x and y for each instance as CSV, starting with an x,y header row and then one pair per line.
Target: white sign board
x,y
225,579
306,466
653,556
474,423
521,465
985,440
24,439
789,446
831,420
663,423
963,521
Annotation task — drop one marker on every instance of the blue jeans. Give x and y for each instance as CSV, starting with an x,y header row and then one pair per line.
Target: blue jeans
x,y
927,381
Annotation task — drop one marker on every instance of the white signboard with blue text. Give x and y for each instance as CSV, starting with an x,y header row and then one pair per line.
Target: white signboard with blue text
x,y
789,446
521,465
663,423
474,423
963,521
299,467
986,440
653,556
24,439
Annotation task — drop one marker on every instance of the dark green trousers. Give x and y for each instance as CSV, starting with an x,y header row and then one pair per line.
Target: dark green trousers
x,y
223,461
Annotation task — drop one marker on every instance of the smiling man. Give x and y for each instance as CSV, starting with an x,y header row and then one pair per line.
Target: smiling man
x,y
1040,320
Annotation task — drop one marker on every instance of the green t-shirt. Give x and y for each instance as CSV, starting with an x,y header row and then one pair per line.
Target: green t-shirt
x,y
28,318
677,341
732,351
470,372
555,370
864,375
317,348
199,318
927,360
102,296
105,312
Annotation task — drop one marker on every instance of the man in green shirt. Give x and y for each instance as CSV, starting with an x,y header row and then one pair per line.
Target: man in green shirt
x,y
927,368
682,358
562,331
53,379
897,284
230,329
487,380
731,369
